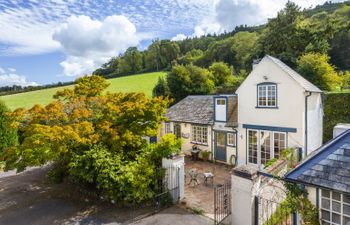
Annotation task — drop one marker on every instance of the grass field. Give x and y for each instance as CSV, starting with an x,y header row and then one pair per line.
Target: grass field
x,y
136,83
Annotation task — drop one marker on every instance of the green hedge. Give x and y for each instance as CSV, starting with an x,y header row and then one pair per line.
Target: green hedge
x,y
336,110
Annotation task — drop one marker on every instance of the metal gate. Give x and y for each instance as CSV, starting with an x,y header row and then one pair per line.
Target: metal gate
x,y
167,187
222,202
270,212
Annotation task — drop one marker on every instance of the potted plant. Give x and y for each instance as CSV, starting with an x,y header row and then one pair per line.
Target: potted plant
x,y
205,155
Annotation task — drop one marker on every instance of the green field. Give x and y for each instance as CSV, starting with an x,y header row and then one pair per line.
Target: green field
x,y
136,83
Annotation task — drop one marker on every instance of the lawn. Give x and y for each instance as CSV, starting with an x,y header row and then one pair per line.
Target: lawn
x,y
135,83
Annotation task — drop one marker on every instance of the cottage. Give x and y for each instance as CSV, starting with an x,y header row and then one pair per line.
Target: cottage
x,y
274,108
326,177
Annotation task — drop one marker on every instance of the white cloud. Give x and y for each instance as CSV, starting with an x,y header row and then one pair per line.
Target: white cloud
x,y
9,78
88,43
179,37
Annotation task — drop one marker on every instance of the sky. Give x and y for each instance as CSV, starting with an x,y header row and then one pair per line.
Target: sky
x,y
47,41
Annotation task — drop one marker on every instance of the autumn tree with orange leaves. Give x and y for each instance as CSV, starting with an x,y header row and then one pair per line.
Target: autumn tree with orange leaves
x,y
95,137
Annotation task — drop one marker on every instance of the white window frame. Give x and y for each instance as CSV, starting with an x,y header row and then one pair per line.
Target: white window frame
x,y
272,144
199,134
267,96
167,128
231,142
220,101
330,210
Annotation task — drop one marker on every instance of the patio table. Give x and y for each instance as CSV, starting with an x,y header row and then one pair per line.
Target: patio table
x,y
193,175
208,176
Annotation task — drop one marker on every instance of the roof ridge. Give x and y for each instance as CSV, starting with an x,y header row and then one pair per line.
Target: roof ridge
x,y
289,71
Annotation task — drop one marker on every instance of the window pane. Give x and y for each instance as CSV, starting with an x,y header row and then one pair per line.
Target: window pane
x,y
336,206
346,199
336,195
346,220
325,215
335,218
346,209
325,193
253,146
265,146
325,204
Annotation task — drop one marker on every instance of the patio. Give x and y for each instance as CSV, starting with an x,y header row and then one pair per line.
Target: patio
x,y
200,197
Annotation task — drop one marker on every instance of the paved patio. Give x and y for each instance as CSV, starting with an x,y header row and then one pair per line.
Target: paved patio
x,y
201,196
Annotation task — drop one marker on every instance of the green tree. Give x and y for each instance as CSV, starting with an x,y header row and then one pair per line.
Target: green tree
x,y
243,47
8,135
287,38
190,79
316,68
161,88
131,61
221,73
95,137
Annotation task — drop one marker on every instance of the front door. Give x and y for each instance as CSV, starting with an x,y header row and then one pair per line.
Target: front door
x,y
220,146
177,130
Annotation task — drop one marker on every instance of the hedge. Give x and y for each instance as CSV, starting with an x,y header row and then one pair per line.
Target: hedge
x,y
336,110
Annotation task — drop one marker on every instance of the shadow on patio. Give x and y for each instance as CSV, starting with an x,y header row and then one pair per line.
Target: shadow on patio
x,y
200,197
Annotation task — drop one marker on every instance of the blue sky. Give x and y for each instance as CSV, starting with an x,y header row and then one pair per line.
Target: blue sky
x,y
46,41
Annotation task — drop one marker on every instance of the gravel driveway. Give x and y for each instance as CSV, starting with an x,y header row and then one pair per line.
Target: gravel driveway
x,y
27,199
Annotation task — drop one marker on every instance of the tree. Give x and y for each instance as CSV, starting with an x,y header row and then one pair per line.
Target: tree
x,y
287,38
131,62
221,73
190,79
161,88
8,135
243,47
96,138
316,68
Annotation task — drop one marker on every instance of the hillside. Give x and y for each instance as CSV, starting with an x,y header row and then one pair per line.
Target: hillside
x,y
134,83
323,29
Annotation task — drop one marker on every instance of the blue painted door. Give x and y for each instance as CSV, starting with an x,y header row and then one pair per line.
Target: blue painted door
x,y
220,146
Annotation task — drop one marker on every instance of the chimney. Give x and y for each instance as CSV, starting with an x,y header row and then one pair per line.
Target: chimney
x,y
255,63
340,128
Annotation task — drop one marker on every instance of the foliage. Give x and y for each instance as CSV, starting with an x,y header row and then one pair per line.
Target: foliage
x,y
96,138
336,110
221,73
161,88
243,47
315,67
8,135
296,201
190,79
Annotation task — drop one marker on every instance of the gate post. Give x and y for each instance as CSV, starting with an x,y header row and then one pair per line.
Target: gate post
x,y
179,177
244,180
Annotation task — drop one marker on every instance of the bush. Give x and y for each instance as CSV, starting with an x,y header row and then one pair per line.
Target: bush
x,y
8,135
336,110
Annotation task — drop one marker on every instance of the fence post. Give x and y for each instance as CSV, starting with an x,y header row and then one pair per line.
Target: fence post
x,y
243,195
177,162
256,213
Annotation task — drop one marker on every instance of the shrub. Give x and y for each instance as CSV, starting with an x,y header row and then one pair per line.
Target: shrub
x,y
336,110
8,135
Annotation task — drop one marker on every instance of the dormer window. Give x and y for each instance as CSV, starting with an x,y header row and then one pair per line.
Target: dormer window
x,y
267,95
220,109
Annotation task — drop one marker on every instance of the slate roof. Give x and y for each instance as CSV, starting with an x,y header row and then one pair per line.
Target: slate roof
x,y
196,109
328,167
307,85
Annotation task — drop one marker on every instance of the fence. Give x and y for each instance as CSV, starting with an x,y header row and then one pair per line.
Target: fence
x,y
222,202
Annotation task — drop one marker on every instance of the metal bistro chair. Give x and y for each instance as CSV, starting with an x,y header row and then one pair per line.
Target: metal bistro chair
x,y
209,175
193,175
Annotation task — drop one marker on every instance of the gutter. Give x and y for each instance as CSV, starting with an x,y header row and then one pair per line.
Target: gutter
x,y
306,120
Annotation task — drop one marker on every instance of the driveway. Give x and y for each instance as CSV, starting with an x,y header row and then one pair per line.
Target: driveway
x,y
27,199
175,216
